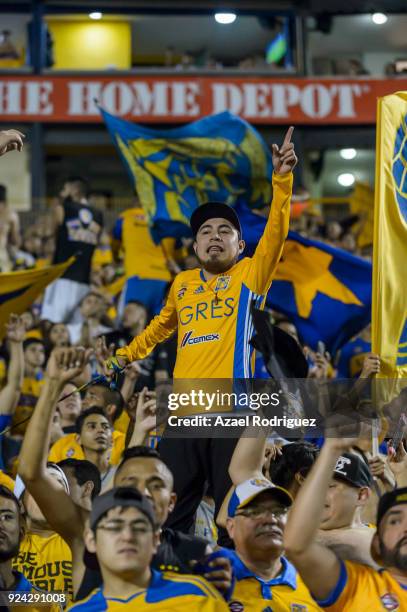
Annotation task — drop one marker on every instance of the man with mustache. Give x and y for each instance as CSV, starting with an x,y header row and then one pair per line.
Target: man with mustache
x,y
210,307
265,580
345,586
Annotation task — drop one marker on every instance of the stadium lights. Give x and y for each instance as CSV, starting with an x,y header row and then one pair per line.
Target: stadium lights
x,y
95,15
225,18
348,153
346,179
379,18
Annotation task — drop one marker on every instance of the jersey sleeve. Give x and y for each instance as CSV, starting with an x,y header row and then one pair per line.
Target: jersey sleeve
x,y
264,262
161,327
345,589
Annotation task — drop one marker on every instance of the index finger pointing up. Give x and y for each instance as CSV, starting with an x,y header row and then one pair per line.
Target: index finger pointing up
x,y
287,137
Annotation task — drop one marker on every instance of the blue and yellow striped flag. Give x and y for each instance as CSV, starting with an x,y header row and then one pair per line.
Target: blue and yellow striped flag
x,y
218,158
389,304
18,290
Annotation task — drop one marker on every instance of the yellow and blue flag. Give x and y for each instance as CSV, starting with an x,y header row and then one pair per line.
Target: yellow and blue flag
x,y
324,291
218,158
19,290
389,308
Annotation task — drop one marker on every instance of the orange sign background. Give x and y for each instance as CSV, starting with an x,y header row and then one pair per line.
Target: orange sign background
x,y
173,99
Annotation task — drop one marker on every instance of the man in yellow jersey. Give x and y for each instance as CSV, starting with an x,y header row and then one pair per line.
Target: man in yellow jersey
x,y
211,309
265,580
124,535
345,586
146,263
11,533
342,528
44,557
97,396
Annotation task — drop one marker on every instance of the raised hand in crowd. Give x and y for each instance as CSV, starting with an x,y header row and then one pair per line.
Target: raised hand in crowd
x,y
142,408
15,329
63,513
381,470
397,461
284,157
11,140
271,453
321,363
131,375
66,364
9,395
107,359
103,353
371,366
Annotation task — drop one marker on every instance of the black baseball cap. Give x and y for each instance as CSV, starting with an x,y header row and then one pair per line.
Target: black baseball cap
x,y
125,497
390,499
353,470
213,210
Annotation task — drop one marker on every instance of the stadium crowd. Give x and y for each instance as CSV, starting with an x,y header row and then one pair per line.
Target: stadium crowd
x,y
97,504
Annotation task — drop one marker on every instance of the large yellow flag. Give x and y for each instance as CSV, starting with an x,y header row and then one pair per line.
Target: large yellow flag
x,y
18,290
389,303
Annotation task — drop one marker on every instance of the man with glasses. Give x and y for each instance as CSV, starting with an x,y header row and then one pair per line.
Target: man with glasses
x,y
124,535
265,580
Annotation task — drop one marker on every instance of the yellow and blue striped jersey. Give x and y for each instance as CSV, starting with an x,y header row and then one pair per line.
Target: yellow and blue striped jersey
x,y
213,318
167,592
363,588
284,593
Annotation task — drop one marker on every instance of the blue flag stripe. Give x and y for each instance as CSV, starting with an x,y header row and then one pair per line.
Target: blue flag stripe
x,y
11,295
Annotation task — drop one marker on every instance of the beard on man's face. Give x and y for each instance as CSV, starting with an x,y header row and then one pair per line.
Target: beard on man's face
x,y
9,552
215,266
394,557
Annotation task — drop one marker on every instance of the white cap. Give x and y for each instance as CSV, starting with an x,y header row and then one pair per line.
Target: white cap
x,y
245,492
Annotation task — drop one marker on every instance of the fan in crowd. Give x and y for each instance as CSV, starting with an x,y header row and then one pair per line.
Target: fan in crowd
x,y
99,503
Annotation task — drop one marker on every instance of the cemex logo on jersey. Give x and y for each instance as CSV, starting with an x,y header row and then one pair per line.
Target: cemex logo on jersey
x,y
188,338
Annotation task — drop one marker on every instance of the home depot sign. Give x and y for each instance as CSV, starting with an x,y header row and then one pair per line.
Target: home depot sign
x,y
177,99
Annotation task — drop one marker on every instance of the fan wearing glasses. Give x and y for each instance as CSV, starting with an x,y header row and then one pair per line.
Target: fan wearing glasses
x,y
265,580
